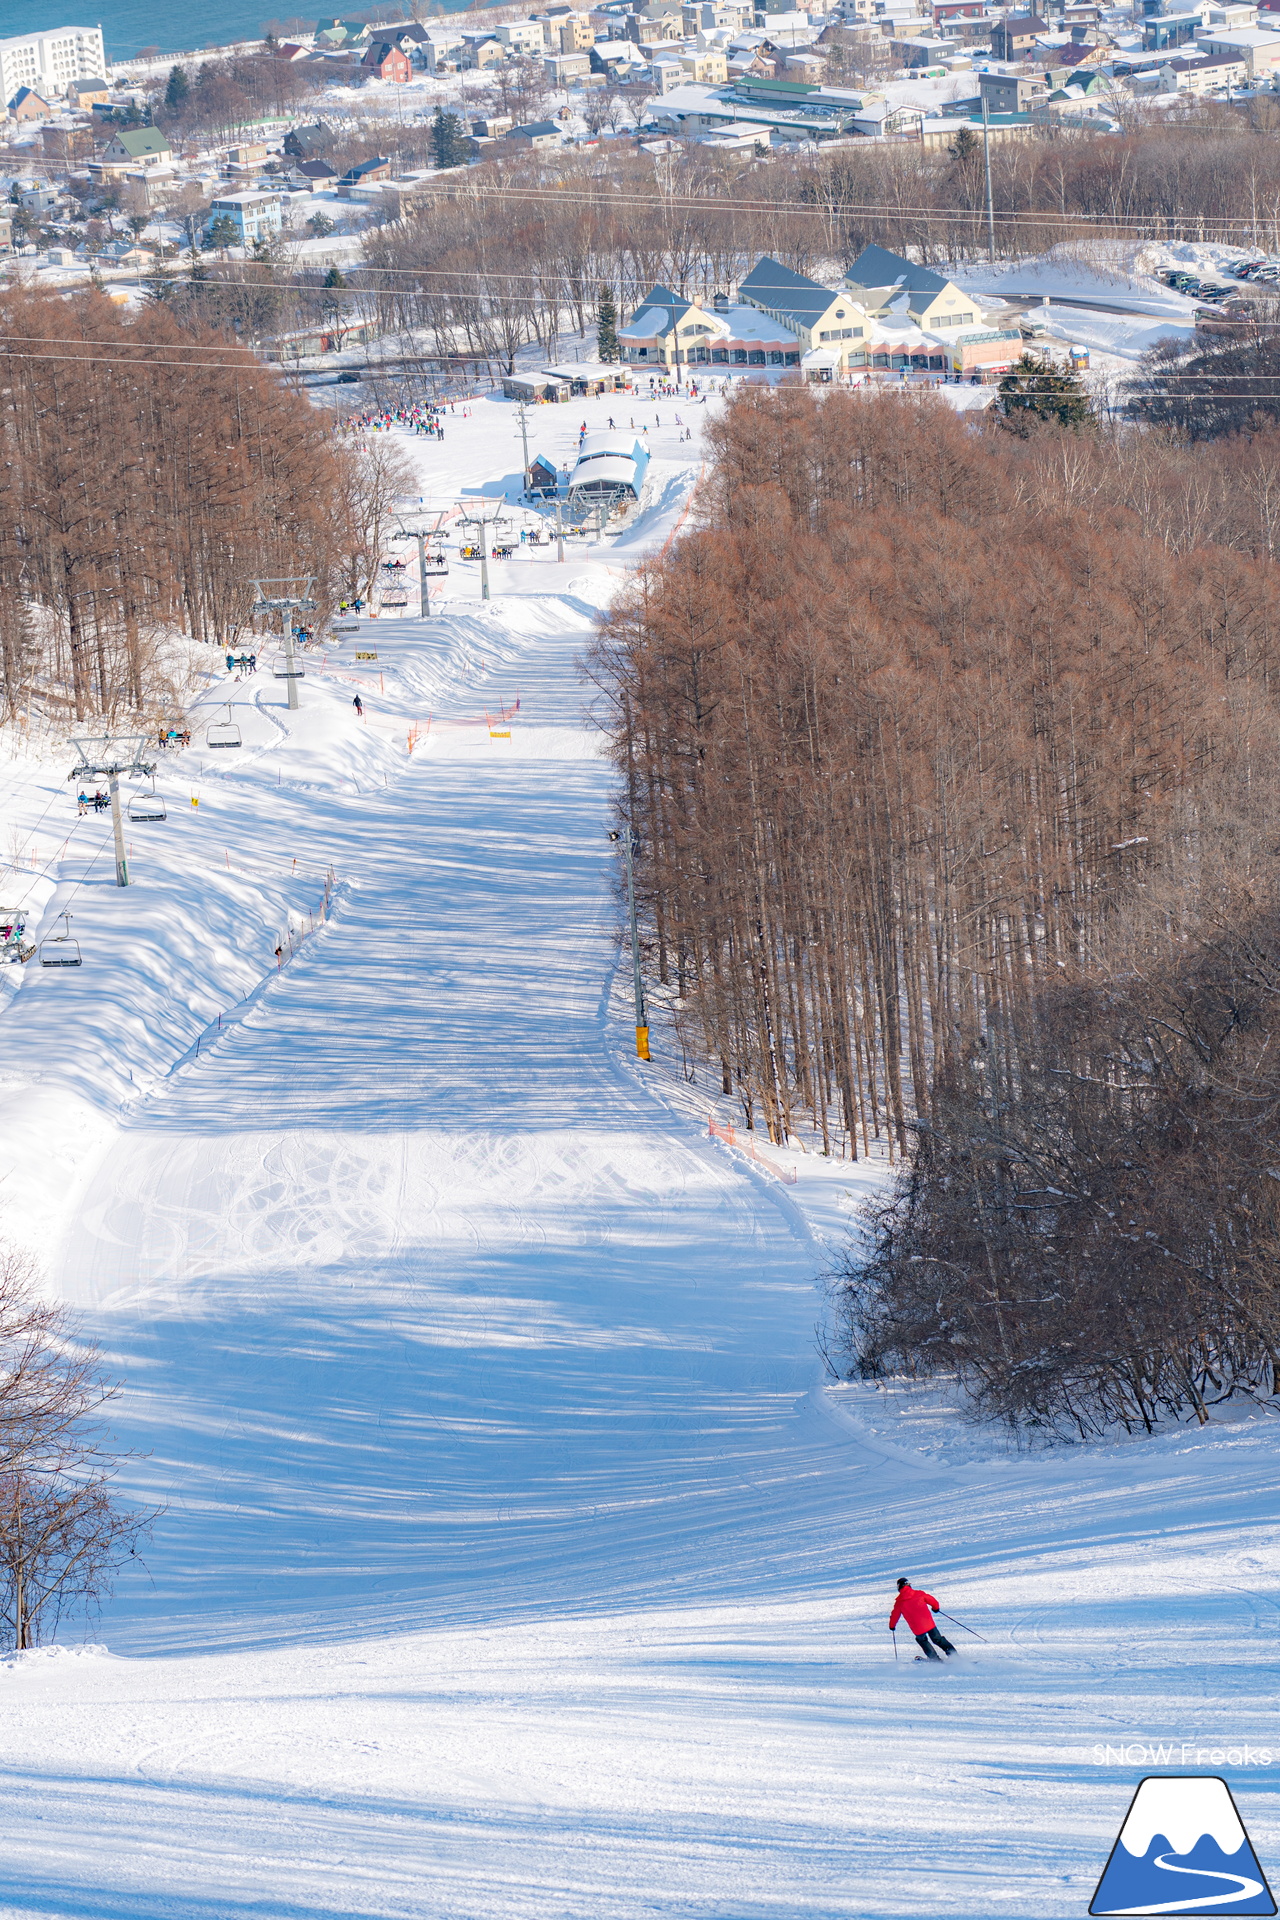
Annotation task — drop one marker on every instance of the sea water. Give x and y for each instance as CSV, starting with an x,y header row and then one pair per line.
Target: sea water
x,y
130,25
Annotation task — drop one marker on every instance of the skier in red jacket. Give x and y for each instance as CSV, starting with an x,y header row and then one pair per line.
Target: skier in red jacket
x,y
917,1608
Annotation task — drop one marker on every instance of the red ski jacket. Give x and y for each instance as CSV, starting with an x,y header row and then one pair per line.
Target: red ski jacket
x,y
916,1607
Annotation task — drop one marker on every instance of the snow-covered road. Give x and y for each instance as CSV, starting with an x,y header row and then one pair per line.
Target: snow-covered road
x,y
515,1560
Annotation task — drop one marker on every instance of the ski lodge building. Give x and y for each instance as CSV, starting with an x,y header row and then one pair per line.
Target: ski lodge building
x,y
889,316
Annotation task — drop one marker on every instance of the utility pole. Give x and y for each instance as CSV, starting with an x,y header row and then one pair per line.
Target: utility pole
x,y
109,756
630,845
559,532
986,156
523,418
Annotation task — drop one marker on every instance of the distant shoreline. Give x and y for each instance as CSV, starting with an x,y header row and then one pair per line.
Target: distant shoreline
x,y
129,26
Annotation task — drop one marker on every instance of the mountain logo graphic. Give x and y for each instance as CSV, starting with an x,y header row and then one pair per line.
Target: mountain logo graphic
x,y
1183,1850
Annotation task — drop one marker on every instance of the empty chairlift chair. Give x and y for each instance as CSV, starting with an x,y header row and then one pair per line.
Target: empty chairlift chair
x,y
146,806
223,733
60,950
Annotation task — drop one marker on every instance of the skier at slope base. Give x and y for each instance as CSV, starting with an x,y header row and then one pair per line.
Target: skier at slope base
x,y
917,1608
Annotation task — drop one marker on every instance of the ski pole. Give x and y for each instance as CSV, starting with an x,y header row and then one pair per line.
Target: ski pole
x,y
960,1623
893,1631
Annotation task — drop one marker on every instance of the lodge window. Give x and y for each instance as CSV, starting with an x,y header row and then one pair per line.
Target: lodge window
x,y
720,355
739,356
756,357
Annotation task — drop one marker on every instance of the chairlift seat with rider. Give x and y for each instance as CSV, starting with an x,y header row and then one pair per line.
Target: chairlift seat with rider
x,y
13,947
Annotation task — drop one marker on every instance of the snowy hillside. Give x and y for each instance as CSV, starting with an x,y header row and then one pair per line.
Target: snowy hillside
x,y
516,1560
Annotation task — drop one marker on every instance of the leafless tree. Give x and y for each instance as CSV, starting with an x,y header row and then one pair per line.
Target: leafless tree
x,y
64,1532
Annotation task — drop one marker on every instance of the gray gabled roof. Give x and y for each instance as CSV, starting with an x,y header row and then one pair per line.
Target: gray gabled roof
x,y
769,284
877,267
660,296
776,287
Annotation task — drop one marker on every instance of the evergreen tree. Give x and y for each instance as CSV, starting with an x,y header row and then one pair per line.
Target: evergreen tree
x,y
334,278
965,145
607,326
1035,389
449,144
176,92
221,232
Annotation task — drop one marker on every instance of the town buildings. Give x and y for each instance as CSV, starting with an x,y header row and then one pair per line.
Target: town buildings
x,y
49,63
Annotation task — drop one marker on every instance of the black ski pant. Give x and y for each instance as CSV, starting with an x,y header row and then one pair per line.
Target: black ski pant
x,y
938,1639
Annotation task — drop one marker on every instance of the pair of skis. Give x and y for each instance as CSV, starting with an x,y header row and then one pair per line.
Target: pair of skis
x,y
942,1616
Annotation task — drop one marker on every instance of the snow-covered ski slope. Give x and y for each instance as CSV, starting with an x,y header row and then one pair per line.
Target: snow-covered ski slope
x,y
515,1560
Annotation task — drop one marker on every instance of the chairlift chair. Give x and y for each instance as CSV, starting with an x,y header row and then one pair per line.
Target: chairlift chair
x,y
223,733
60,951
147,806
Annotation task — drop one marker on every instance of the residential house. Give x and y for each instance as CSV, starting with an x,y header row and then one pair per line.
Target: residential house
x,y
365,173
651,33
66,144
947,12
493,127
134,147
537,134
6,233
126,253
27,104
567,31
385,61
339,36
619,59
482,50
886,119
442,47
409,35
304,143
315,175
89,92
1012,92
1016,35
566,69
522,36
255,216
